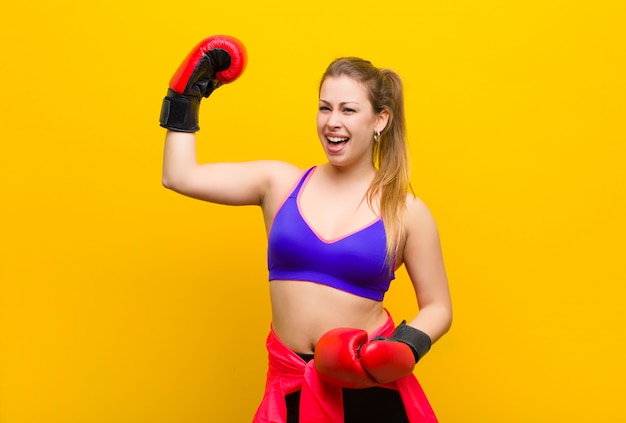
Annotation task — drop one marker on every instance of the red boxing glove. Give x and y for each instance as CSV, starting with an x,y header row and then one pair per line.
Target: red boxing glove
x,y
389,359
214,61
337,358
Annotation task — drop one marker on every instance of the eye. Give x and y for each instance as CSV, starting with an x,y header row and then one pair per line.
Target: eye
x,y
324,108
349,110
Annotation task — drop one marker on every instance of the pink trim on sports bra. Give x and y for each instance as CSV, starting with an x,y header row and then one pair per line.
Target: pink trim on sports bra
x,y
354,263
304,218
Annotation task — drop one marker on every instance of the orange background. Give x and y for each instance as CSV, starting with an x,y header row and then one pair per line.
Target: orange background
x,y
123,302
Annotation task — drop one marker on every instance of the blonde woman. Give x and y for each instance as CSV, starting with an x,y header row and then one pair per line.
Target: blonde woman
x,y
337,231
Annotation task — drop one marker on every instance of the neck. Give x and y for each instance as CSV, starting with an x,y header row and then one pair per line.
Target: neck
x,y
350,174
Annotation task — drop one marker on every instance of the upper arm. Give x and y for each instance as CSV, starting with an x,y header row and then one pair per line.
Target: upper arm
x,y
243,183
423,258
237,183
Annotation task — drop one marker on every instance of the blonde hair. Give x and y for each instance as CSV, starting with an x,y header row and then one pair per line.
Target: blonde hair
x,y
390,156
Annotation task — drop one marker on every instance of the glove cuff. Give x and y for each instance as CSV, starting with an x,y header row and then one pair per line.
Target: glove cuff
x,y
180,112
419,341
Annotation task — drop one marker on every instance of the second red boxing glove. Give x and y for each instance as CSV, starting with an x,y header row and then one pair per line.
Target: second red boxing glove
x,y
216,60
337,358
345,356
389,359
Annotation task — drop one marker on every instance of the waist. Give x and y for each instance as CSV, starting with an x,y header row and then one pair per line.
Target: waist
x,y
303,311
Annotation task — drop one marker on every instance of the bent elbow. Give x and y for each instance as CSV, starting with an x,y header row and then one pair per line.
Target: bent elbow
x,y
445,316
172,183
166,183
449,320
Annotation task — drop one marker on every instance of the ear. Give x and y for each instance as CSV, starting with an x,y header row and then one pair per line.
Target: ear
x,y
382,120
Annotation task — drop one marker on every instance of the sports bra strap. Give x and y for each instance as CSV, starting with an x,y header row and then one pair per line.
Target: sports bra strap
x,y
296,190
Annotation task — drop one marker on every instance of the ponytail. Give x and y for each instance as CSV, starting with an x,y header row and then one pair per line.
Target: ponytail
x,y
390,155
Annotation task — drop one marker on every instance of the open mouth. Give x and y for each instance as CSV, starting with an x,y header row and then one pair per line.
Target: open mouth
x,y
337,140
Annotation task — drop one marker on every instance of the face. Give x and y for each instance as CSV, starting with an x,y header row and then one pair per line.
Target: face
x,y
346,121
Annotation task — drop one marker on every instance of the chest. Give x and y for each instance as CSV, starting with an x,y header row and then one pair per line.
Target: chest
x,y
333,214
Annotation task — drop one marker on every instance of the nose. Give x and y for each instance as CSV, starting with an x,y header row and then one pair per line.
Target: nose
x,y
334,120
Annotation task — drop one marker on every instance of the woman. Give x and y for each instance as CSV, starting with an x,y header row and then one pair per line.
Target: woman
x,y
336,233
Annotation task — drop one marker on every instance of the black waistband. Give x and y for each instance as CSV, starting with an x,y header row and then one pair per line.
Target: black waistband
x,y
305,356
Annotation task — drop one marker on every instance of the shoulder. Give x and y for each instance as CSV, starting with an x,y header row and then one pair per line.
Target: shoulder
x,y
282,179
418,217
421,236
416,207
281,173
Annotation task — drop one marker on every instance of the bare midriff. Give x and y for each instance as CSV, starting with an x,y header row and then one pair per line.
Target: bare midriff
x,y
303,311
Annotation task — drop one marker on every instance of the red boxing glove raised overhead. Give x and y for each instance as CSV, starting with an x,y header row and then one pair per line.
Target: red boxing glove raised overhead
x,y
216,60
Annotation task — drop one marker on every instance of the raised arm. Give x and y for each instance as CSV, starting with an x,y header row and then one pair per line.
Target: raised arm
x,y
245,183
213,62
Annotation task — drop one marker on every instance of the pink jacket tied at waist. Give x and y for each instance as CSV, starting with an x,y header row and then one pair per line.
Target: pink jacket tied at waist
x,y
320,401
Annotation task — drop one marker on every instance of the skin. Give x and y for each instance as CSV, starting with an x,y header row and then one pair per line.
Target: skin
x,y
332,203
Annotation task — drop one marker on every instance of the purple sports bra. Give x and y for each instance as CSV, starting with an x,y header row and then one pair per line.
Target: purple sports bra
x,y
354,263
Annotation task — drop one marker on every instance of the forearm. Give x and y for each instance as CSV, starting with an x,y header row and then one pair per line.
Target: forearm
x,y
179,158
215,61
434,320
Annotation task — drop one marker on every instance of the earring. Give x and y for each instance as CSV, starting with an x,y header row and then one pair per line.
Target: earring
x,y
376,136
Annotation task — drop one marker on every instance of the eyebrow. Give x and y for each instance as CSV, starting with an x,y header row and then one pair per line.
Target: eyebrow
x,y
343,103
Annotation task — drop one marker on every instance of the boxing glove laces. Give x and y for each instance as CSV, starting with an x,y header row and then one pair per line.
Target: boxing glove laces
x,y
215,61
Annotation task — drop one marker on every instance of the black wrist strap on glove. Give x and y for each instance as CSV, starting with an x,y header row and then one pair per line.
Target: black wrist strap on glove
x,y
419,341
180,112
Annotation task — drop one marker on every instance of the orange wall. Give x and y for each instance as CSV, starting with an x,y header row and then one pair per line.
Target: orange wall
x,y
123,302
